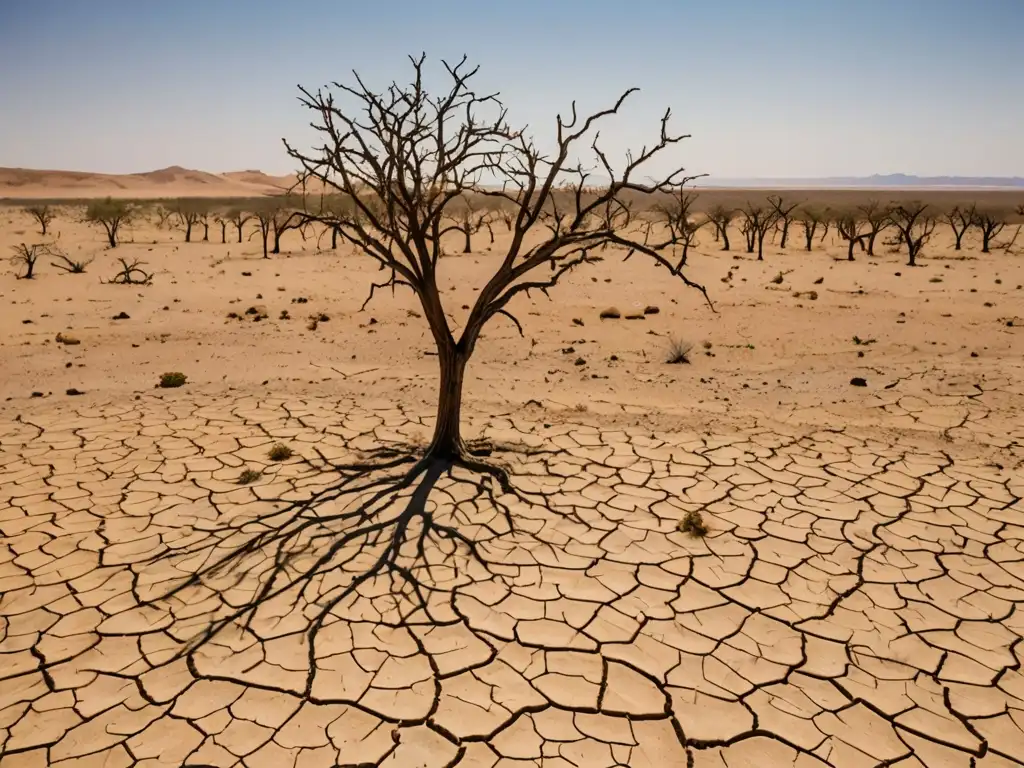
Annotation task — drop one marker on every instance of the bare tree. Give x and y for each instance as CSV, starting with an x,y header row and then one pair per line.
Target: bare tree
x,y
405,158
111,215
757,220
238,218
468,220
810,219
960,219
915,224
264,224
783,216
221,217
284,218
677,215
26,256
849,225
877,217
186,213
44,215
721,217
990,222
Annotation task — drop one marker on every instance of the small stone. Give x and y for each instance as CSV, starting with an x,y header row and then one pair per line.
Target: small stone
x,y
857,381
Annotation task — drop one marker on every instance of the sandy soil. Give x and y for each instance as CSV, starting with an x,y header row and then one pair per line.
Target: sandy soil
x,y
856,601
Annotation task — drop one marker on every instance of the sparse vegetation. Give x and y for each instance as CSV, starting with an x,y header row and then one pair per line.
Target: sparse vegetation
x,y
66,263
27,256
279,452
693,524
249,476
678,351
172,380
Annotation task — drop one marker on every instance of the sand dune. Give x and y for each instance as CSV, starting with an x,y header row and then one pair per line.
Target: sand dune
x,y
174,181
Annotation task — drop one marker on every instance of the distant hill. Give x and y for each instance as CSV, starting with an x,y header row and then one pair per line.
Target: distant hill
x,y
876,181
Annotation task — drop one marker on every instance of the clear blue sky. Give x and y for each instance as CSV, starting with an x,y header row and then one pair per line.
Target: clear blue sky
x,y
767,88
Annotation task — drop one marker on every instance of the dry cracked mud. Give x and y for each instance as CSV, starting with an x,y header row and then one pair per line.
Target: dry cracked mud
x,y
856,602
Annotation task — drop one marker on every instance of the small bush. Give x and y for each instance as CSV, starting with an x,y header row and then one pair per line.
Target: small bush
x,y
610,314
280,452
779,278
248,476
693,524
172,380
678,351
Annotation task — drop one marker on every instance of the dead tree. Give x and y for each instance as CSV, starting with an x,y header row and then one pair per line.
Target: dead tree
x,y
783,216
990,222
238,218
677,216
915,224
405,158
405,186
721,218
849,225
757,221
131,273
65,262
111,215
960,219
26,256
468,221
810,219
264,224
186,213
876,216
222,219
44,215
281,220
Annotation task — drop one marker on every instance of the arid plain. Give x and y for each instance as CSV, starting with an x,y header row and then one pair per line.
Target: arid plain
x,y
851,432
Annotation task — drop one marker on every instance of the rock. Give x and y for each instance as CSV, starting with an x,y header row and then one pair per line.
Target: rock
x,y
37,394
121,316
650,309
580,361
857,381
74,392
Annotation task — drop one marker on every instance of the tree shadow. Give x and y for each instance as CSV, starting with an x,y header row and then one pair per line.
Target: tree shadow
x,y
390,540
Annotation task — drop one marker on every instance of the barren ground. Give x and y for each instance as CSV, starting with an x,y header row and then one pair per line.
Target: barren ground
x,y
856,602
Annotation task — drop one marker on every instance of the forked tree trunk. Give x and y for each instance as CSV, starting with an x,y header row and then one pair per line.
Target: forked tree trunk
x,y
447,441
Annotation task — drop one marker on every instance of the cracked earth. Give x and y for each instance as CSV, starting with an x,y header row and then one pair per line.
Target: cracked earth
x,y
855,602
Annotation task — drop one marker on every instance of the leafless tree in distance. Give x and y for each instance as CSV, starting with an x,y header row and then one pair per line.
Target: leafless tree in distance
x,y
809,219
853,229
990,222
677,216
27,256
111,215
284,218
721,218
915,223
960,218
467,219
877,217
757,221
238,218
783,216
186,212
44,216
264,216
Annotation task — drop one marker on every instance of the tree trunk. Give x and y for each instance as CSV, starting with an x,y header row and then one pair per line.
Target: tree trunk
x,y
849,248
725,238
265,235
959,237
277,242
760,246
334,238
206,232
240,231
112,236
785,234
447,441
468,247
986,237
871,241
223,232
188,232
